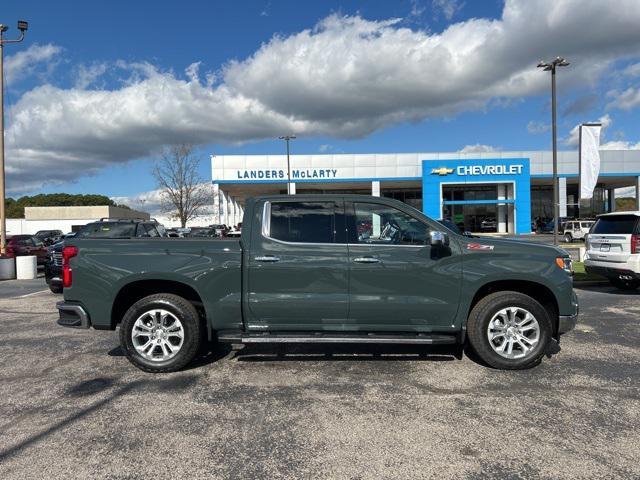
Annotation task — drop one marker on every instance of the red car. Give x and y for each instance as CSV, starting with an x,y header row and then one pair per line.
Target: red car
x,y
21,245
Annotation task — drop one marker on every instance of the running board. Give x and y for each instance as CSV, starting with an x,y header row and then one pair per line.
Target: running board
x,y
419,339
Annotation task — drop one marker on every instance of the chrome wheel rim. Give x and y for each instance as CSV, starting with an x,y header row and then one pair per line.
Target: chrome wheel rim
x,y
157,335
513,332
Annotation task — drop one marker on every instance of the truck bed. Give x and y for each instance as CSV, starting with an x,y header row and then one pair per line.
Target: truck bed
x,y
106,270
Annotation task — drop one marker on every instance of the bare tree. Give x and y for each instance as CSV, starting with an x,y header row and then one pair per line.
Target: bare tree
x,y
182,189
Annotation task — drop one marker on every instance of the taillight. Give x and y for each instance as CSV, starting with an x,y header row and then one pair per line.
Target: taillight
x,y
635,243
68,253
9,251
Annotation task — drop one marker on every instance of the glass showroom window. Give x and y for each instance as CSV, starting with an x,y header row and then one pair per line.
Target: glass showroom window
x,y
303,222
384,225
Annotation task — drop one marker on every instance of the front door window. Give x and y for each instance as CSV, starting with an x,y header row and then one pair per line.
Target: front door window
x,y
384,225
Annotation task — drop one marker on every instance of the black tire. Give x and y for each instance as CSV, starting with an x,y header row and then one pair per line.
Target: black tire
x,y
184,311
627,285
478,324
55,288
568,238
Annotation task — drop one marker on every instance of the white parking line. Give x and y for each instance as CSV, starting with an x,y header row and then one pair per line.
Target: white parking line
x,y
33,293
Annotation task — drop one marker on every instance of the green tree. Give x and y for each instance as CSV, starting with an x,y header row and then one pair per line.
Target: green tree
x,y
15,208
625,204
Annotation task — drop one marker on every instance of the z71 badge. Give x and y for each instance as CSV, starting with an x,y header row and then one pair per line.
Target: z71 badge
x,y
478,246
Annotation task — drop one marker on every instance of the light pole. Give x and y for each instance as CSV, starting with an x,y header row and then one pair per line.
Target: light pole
x,y
551,66
22,26
286,138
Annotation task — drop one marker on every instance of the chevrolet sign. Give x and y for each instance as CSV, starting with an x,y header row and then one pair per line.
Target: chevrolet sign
x,y
465,170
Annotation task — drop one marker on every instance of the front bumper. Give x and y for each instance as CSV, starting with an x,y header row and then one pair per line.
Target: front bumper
x,y
72,315
567,323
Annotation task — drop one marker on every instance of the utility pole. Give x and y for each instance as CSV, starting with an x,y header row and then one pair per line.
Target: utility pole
x,y
22,26
286,138
551,66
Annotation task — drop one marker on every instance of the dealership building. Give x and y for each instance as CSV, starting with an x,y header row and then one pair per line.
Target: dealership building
x,y
499,191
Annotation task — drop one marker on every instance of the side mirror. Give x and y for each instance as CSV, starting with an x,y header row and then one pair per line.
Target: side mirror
x,y
437,238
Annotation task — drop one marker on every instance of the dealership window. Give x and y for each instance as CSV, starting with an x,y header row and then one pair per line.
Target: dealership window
x,y
304,222
384,225
410,196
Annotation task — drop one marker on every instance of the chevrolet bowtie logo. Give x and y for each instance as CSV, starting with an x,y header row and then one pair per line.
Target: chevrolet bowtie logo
x,y
442,171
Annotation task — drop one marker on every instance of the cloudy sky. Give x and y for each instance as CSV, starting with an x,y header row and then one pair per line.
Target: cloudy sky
x,y
97,88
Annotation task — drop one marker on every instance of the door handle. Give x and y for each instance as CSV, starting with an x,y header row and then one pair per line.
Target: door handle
x,y
366,260
267,258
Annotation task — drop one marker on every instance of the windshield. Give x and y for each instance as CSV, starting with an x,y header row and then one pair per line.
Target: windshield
x,y
108,230
621,224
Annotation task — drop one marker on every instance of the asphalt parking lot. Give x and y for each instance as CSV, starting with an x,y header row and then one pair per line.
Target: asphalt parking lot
x,y
73,407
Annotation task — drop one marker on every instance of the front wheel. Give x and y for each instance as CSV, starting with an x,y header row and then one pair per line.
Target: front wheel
x,y
161,333
509,330
568,238
628,285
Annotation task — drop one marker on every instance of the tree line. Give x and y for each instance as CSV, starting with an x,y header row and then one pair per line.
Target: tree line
x,y
15,207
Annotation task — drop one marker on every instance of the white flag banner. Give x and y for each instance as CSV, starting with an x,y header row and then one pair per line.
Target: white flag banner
x,y
589,159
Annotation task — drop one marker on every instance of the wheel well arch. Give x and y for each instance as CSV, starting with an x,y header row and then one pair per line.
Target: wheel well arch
x,y
134,291
539,292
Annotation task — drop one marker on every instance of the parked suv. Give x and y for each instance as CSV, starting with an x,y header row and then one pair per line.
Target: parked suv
x,y
613,249
576,230
21,245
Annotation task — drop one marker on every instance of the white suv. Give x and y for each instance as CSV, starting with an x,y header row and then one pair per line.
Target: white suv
x,y
576,230
613,249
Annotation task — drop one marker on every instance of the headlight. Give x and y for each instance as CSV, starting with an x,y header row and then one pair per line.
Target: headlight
x,y
565,263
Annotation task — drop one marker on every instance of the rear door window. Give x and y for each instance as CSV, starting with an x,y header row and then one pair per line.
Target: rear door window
x,y
616,224
302,222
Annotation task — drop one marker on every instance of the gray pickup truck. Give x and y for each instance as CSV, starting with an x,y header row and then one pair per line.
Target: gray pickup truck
x,y
321,269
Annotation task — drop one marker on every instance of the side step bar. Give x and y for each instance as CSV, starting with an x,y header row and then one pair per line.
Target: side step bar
x,y
418,339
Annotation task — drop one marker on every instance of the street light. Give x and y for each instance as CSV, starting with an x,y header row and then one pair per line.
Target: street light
x,y
22,26
551,67
286,138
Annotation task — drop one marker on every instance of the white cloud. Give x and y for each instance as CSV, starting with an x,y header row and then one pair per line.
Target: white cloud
x,y
448,8
627,100
626,192
479,148
346,77
632,70
535,128
151,202
574,135
417,9
620,145
24,62
87,75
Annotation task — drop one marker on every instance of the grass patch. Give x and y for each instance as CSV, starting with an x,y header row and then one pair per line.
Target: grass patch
x,y
579,274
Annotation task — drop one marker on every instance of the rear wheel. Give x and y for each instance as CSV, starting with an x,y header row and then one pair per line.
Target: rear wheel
x,y
568,238
509,330
628,285
161,333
